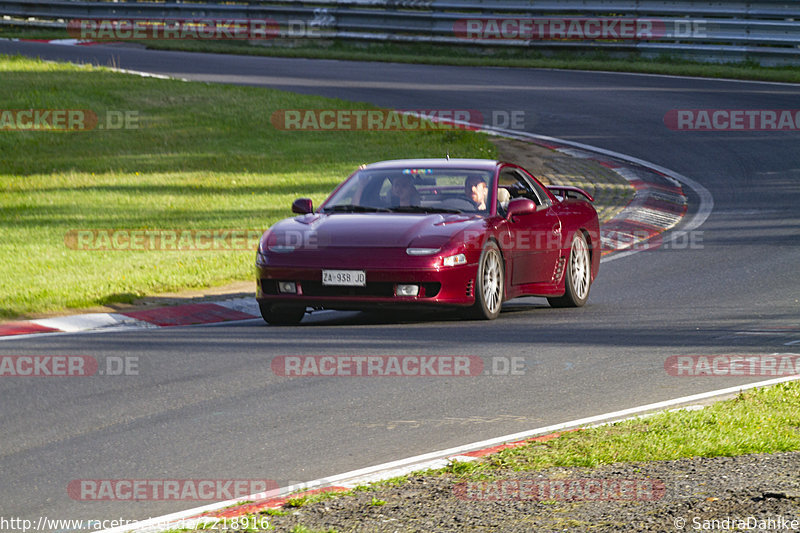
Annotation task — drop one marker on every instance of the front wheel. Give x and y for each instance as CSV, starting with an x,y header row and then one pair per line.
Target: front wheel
x,y
489,283
578,276
281,314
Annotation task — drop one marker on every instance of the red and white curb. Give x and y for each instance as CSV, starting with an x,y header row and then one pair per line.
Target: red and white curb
x,y
274,499
179,315
658,204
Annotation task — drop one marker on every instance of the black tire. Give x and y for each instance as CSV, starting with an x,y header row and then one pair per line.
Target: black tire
x,y
578,275
489,284
281,314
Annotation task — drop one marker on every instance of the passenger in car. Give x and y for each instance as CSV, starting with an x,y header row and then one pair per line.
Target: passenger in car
x,y
503,197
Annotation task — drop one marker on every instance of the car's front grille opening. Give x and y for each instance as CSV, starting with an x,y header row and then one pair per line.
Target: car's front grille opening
x,y
269,286
380,289
431,289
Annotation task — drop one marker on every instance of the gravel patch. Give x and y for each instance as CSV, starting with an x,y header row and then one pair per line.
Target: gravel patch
x,y
655,496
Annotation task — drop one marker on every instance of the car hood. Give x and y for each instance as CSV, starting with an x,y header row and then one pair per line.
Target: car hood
x,y
357,230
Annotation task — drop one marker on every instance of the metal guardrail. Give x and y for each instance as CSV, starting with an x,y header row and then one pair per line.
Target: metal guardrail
x,y
764,31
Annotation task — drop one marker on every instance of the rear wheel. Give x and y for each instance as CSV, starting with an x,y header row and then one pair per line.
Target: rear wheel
x,y
489,284
281,314
578,276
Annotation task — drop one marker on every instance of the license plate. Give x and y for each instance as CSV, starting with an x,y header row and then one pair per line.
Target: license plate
x,y
349,278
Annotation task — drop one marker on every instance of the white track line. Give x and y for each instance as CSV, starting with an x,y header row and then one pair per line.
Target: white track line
x,y
437,458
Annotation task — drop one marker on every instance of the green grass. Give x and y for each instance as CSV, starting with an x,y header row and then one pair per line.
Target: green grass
x,y
377,485
765,420
502,56
204,156
273,512
306,499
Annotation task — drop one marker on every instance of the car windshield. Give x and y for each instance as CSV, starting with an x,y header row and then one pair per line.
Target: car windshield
x,y
414,190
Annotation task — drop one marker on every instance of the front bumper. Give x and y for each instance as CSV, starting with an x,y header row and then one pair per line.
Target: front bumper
x,y
444,286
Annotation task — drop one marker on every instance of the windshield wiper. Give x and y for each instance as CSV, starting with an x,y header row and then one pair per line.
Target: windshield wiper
x,y
423,209
344,208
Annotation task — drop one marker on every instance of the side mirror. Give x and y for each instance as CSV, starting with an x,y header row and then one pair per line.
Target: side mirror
x,y
302,206
520,206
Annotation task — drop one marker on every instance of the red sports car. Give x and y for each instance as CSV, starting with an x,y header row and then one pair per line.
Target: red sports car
x,y
459,233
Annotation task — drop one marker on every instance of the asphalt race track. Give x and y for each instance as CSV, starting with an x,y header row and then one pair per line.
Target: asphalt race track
x,y
206,404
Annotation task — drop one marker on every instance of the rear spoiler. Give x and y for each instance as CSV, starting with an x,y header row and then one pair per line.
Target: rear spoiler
x,y
568,191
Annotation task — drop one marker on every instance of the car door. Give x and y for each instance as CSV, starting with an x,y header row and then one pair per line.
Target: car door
x,y
534,237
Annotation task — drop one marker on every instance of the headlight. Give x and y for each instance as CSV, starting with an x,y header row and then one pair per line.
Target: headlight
x,y
421,251
281,248
407,290
454,260
287,287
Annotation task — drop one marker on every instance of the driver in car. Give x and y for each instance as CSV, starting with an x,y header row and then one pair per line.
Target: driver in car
x,y
477,191
403,191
